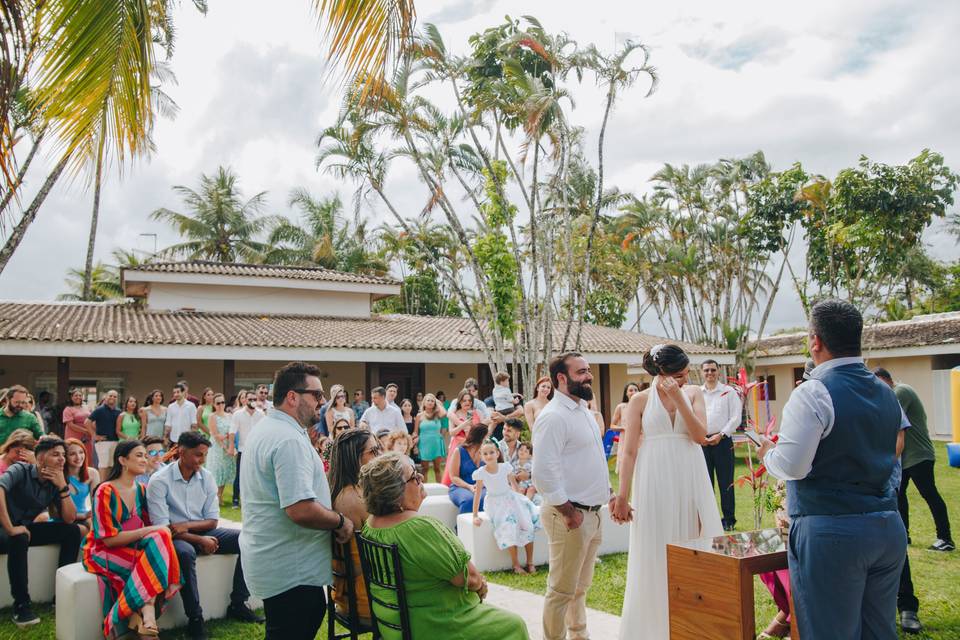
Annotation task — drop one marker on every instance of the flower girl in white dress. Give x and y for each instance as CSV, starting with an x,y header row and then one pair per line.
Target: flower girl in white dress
x,y
672,498
515,518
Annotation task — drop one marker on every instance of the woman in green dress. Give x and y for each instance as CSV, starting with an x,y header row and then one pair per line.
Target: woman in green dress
x,y
204,411
128,422
445,591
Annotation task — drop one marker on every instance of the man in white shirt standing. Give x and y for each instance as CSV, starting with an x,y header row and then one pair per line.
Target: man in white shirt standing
x,y
570,472
181,415
242,423
382,415
724,414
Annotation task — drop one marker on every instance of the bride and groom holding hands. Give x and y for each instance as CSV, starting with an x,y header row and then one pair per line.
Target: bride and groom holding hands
x,y
664,490
837,450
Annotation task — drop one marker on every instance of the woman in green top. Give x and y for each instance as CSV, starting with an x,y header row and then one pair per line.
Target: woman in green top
x,y
204,411
445,591
128,422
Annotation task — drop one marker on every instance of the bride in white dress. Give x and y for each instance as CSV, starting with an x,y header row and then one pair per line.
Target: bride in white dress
x,y
672,498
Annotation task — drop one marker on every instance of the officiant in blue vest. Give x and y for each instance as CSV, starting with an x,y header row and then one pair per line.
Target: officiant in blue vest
x,y
836,450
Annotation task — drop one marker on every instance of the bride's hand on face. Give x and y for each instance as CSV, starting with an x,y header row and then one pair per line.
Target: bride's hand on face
x,y
669,387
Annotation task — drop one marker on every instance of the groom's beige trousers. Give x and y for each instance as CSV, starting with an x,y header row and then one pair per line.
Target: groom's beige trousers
x,y
572,557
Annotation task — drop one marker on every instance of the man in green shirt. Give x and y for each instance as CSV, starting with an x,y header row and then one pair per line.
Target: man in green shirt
x,y
918,460
14,416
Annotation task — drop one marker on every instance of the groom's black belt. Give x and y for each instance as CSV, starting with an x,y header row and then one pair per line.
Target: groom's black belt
x,y
584,507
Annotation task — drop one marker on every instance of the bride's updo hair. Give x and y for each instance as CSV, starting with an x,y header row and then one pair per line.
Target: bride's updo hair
x,y
665,359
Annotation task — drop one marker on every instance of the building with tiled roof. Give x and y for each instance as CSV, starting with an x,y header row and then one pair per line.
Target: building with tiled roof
x,y
919,352
230,326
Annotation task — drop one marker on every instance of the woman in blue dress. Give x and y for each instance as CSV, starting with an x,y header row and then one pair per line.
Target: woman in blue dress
x,y
82,480
464,460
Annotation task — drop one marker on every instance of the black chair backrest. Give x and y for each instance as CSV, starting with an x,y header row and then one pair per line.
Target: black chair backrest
x,y
381,569
342,567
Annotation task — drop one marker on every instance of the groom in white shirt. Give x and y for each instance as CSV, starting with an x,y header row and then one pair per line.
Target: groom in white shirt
x,y
570,472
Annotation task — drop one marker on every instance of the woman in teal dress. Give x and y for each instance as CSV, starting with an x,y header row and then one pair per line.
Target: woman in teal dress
x,y
220,459
430,427
444,590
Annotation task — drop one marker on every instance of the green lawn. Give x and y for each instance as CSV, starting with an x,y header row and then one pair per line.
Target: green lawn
x,y
936,576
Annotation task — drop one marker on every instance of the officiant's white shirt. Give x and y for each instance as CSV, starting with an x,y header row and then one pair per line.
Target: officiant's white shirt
x,y
568,458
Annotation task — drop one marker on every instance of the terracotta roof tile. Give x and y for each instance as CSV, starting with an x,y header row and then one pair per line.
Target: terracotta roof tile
x,y
261,271
921,331
128,323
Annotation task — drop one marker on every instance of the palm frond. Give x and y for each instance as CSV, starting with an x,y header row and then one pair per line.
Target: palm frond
x,y
366,36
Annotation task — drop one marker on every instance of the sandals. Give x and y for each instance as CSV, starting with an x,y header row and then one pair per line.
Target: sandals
x,y
775,630
531,568
517,569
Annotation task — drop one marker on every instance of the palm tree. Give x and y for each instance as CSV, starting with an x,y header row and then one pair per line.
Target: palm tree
x,y
325,239
105,284
220,226
97,57
92,89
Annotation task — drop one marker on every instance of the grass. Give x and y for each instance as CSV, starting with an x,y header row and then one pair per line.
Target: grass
x,y
936,576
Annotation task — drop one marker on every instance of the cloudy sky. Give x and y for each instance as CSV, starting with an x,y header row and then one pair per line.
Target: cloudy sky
x,y
815,82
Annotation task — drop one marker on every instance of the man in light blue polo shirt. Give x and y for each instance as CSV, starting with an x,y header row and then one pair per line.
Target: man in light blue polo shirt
x,y
183,495
287,515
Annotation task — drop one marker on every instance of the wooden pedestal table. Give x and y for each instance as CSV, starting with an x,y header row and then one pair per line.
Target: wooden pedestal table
x,y
710,583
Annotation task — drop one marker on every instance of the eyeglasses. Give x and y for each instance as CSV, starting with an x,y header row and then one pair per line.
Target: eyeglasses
x,y
316,393
375,450
219,402
709,370
416,477
155,453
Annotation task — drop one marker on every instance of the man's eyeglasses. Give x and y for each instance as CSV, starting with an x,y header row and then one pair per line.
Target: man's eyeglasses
x,y
155,453
709,370
316,393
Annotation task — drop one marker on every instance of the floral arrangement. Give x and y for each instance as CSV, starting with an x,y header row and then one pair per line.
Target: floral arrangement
x,y
766,496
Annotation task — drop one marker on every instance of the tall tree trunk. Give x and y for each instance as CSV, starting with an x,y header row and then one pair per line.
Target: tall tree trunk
x,y
95,216
8,196
585,281
16,236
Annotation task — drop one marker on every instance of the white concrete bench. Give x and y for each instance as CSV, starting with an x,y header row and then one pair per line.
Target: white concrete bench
x,y
41,574
435,488
79,608
440,507
487,556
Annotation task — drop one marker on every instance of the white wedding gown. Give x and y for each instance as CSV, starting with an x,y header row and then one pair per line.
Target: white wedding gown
x,y
673,501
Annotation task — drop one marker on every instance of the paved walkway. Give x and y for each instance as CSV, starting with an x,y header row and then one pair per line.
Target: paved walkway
x,y
529,606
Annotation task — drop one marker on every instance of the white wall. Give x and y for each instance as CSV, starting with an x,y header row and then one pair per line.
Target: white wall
x,y
237,299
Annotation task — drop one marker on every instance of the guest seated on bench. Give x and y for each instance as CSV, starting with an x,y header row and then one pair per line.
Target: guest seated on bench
x,y
134,559
444,590
183,495
26,491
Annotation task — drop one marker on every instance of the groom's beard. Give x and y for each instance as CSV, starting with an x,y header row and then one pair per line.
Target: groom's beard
x,y
582,390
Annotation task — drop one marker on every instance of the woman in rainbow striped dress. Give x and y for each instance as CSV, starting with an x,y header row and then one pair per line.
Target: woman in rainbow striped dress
x,y
135,562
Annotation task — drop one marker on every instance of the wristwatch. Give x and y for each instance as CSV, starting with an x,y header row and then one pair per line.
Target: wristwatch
x,y
342,520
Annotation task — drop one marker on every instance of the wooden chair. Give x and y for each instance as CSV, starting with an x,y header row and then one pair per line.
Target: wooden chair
x,y
381,569
351,621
